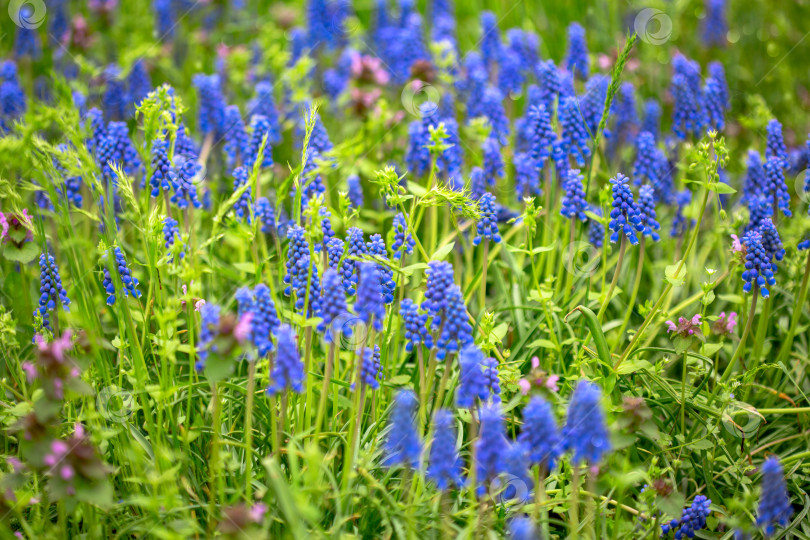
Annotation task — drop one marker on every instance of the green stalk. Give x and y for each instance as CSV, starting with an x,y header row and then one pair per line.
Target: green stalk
x,y
215,481
251,391
483,288
633,295
797,314
573,510
740,346
327,379
683,390
616,272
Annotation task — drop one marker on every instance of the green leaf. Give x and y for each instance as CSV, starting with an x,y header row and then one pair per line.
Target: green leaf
x,y
681,344
24,255
721,188
631,366
442,252
542,343
679,279
710,348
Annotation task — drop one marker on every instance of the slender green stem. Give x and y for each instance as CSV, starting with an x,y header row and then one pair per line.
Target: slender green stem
x,y
616,272
740,346
797,313
251,390
632,303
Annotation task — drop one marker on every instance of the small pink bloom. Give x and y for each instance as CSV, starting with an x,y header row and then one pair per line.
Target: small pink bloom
x,y
736,246
525,386
66,472
30,371
535,362
551,383
198,306
242,329
671,326
257,512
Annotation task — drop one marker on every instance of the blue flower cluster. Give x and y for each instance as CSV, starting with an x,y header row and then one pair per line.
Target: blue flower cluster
x,y
625,216
693,519
51,290
288,370
758,271
487,226
402,444
574,203
774,502
129,282
263,316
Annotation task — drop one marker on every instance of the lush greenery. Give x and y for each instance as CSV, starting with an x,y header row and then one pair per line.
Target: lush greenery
x,y
402,245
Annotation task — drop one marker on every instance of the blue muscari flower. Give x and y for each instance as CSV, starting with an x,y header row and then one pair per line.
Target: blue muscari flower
x,y
585,431
456,330
759,209
236,139
72,186
624,110
355,191
403,241
43,200
376,248
439,281
527,179
490,41
370,367
774,502
592,104
475,84
478,182
624,217
184,145
548,81
540,434
116,147
349,267
490,366
12,96
689,111
265,215
566,85
418,154
369,305
542,134
185,192
444,465
326,228
26,42
334,252
646,212
211,111
573,202
679,223
473,382
313,182
450,160
115,100
259,127
129,282
242,206
490,447
161,168
652,117
510,74
596,231
714,104
771,241
775,188
209,327
298,44
493,164
171,232
662,181
575,137
165,19
645,167
402,444
51,290
522,528
693,519
415,322
715,25
288,370
264,104
757,264
98,129
487,226
139,83
516,469
319,138
319,27
264,318
775,142
717,73
492,105
302,274
576,59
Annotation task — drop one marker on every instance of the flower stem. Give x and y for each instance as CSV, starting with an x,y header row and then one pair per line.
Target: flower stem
x,y
740,347
797,314
633,295
606,301
251,390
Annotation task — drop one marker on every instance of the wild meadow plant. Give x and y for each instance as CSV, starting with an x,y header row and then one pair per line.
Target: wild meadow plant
x,y
357,270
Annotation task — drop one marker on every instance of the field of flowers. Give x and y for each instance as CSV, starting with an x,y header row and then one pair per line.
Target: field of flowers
x,y
397,269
